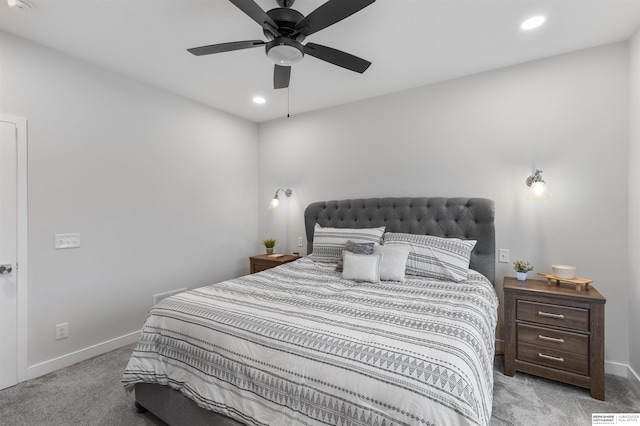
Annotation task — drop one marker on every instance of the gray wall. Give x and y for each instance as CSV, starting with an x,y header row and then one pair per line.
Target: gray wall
x,y
481,136
634,203
161,189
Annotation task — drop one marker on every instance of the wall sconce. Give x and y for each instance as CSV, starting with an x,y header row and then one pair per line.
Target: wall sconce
x,y
275,202
537,187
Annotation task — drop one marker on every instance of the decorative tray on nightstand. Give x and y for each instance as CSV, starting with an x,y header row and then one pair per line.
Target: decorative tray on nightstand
x,y
579,282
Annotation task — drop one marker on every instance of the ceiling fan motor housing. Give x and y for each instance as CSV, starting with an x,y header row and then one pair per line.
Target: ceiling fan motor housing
x,y
286,20
287,49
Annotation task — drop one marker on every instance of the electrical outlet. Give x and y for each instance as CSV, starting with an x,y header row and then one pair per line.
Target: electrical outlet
x,y
62,331
300,242
503,256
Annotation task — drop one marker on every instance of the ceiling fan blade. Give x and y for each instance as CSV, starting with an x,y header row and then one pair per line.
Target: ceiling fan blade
x,y
255,12
281,76
329,13
225,47
337,57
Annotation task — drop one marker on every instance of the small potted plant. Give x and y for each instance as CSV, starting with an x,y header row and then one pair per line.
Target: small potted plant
x,y
269,244
522,267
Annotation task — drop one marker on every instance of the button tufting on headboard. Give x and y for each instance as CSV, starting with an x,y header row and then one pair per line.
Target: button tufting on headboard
x,y
465,218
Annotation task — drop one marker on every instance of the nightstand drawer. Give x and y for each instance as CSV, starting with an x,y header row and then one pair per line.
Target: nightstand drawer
x,y
257,267
560,316
548,357
554,339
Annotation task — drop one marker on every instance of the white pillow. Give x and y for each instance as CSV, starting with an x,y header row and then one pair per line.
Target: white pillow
x,y
328,243
362,267
394,261
434,257
359,248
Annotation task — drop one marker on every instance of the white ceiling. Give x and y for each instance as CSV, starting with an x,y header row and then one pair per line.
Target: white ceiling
x,y
410,43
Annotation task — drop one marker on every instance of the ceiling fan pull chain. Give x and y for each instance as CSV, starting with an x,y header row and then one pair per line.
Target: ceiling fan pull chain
x,y
288,103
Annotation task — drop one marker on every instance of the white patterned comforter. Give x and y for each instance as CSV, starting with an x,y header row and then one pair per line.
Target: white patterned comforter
x,y
298,345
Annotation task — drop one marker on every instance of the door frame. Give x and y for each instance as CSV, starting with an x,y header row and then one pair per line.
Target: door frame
x,y
21,267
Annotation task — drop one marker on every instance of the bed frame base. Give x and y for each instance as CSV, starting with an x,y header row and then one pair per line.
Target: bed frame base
x,y
174,408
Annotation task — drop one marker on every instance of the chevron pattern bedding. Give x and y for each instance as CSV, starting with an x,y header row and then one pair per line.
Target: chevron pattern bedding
x,y
299,345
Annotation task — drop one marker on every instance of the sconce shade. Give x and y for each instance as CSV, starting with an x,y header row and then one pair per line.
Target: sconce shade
x,y
537,187
275,201
538,191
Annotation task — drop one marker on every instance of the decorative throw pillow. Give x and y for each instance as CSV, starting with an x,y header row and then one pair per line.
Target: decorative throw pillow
x,y
434,257
394,261
328,243
362,267
358,248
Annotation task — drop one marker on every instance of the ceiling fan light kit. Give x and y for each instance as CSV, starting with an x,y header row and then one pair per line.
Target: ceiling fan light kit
x,y
286,29
284,51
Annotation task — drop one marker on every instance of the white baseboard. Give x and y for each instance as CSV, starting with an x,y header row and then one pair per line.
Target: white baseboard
x,y
625,371
52,365
634,378
616,369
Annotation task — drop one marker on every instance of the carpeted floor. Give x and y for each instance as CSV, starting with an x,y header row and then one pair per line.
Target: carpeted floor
x,y
524,400
90,393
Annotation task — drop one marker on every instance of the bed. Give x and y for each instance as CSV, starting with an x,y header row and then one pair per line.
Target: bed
x,y
305,344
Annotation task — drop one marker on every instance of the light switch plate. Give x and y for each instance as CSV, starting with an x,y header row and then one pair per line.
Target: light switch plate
x,y
64,241
503,256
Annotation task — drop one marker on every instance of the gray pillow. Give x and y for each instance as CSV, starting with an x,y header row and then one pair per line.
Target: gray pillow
x,y
357,248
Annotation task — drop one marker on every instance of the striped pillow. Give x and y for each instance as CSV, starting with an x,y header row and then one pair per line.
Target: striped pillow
x,y
328,243
434,257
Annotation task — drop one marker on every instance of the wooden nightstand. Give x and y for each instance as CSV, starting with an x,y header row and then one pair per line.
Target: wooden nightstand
x,y
263,261
556,332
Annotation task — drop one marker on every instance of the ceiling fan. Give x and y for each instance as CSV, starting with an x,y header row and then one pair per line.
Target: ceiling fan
x,y
286,28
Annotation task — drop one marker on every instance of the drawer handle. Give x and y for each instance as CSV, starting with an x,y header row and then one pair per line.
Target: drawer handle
x,y
551,358
550,339
550,315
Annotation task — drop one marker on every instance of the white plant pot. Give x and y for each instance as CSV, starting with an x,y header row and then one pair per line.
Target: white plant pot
x,y
521,276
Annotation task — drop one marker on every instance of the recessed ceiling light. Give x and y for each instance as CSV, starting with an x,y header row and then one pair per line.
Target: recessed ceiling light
x,y
20,5
259,100
533,22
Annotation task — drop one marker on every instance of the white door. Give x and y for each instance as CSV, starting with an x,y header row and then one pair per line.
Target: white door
x,y
10,197
8,255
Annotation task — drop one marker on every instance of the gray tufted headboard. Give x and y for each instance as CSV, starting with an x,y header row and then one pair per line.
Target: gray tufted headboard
x,y
464,218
